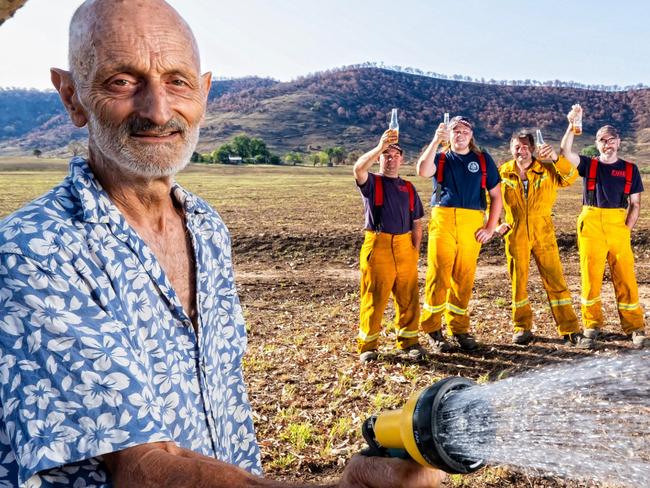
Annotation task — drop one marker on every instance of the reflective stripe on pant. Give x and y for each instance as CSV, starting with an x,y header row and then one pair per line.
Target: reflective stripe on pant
x,y
604,237
537,237
451,265
389,264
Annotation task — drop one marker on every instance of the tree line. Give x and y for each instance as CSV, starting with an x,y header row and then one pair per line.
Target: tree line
x,y
253,150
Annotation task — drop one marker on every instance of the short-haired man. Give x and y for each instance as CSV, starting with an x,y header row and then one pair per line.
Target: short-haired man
x,y
121,333
611,204
529,186
390,251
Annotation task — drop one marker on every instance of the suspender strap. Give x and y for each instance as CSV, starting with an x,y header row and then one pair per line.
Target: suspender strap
x,y
379,191
378,202
483,164
440,175
481,159
628,178
591,182
628,184
409,187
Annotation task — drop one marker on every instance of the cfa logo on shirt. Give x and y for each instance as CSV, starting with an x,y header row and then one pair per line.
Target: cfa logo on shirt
x,y
618,173
473,167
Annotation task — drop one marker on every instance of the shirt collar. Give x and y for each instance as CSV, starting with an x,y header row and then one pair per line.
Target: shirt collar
x,y
97,207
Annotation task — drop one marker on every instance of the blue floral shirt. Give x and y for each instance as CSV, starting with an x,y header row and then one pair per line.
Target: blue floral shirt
x,y
96,351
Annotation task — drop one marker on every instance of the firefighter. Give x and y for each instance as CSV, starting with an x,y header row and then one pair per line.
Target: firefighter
x,y
611,204
390,251
462,175
529,187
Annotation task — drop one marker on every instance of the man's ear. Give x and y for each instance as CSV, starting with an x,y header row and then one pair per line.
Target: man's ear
x,y
206,81
62,81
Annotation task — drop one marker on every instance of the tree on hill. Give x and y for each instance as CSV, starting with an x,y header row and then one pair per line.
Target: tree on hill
x,y
251,150
293,158
335,154
37,153
590,151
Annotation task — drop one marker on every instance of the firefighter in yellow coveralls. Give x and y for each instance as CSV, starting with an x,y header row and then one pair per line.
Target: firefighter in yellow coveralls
x,y
462,176
390,251
611,205
529,187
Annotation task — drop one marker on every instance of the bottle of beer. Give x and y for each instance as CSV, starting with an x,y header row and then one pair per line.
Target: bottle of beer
x,y
394,125
576,127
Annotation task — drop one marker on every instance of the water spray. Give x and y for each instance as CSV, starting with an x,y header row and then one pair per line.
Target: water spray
x,y
588,419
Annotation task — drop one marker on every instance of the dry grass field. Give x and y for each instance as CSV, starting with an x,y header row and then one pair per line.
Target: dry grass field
x,y
296,233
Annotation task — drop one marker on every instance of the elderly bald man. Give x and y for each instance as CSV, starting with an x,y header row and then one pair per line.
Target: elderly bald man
x,y
121,333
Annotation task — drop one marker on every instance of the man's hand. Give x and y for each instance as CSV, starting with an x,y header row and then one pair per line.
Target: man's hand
x,y
387,138
484,234
546,153
380,472
503,229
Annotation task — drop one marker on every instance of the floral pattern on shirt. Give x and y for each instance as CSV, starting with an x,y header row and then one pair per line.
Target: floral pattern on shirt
x,y
96,351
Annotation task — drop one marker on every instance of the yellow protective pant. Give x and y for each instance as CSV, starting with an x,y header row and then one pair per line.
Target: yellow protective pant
x,y
389,264
604,237
537,237
451,265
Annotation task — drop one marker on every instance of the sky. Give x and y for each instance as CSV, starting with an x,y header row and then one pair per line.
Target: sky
x,y
593,42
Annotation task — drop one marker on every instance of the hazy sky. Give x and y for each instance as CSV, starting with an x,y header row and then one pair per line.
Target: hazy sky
x,y
591,42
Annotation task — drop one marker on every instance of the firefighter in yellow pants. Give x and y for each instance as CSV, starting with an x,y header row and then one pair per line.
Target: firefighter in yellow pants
x,y
450,276
462,175
611,207
388,265
389,256
529,186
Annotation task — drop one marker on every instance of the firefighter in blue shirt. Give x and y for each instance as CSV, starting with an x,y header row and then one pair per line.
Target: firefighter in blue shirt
x,y
462,175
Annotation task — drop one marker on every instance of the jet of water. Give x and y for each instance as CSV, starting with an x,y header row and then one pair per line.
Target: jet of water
x,y
586,420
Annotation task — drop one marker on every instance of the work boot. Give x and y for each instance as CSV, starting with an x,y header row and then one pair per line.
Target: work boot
x,y
465,341
368,356
592,333
579,341
415,352
522,337
438,343
639,338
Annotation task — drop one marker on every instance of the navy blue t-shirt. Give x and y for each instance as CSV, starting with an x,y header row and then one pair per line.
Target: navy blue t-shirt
x,y
395,212
610,182
461,184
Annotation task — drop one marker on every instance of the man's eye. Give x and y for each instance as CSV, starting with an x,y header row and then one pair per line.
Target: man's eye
x,y
179,82
121,82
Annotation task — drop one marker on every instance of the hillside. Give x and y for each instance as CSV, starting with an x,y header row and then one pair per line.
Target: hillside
x,y
349,107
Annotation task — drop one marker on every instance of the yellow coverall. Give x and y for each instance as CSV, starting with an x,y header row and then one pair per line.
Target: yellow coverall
x,y
451,265
533,233
604,237
389,264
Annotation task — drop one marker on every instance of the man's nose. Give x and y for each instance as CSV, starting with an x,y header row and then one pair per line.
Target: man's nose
x,y
154,103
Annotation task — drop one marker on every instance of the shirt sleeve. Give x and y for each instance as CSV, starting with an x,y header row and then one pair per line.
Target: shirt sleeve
x,y
637,182
583,165
72,382
418,211
493,177
368,187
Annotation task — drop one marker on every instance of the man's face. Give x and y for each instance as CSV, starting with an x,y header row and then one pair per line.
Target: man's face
x,y
390,161
608,144
460,137
144,98
521,150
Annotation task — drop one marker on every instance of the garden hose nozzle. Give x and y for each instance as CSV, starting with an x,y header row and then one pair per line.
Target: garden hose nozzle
x,y
419,430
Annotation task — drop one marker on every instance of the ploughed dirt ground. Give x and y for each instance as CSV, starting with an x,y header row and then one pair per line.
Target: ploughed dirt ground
x,y
296,242
296,238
